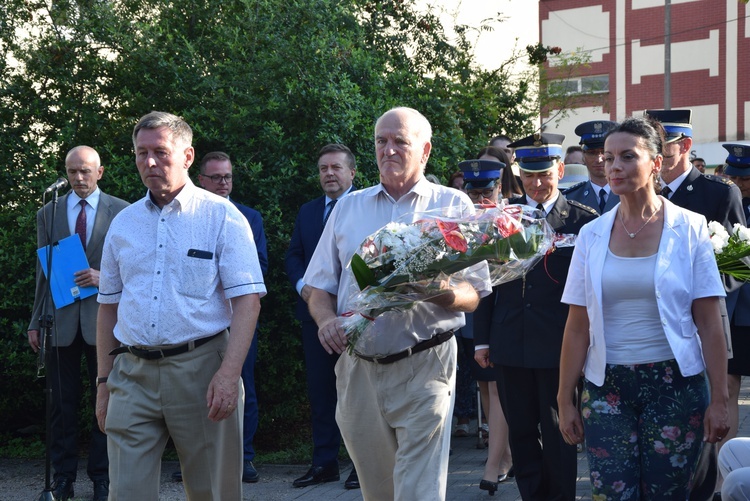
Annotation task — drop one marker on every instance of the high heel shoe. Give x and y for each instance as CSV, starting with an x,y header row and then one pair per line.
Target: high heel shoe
x,y
503,477
489,486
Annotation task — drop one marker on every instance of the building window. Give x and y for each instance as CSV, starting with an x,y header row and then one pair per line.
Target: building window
x,y
597,84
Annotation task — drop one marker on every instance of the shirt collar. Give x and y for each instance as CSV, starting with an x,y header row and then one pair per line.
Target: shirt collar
x,y
674,185
547,205
421,188
598,188
183,197
329,199
92,200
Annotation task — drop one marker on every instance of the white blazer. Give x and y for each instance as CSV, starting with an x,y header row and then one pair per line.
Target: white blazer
x,y
685,270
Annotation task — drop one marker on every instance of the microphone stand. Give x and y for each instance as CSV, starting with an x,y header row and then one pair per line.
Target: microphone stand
x,y
46,324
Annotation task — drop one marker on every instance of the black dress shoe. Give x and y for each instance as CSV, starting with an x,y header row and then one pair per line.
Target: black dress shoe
x,y
352,481
63,489
249,473
317,475
489,486
101,490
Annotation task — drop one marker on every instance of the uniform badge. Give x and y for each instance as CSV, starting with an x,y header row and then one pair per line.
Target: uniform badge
x,y
690,187
475,168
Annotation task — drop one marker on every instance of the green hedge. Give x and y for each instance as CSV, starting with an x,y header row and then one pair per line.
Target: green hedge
x,y
268,81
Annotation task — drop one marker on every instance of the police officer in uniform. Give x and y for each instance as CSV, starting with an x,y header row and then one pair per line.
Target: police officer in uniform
x,y
738,170
595,192
717,198
522,337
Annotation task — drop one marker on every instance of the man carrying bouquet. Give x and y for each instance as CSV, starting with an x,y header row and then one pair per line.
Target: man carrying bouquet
x,y
522,335
394,401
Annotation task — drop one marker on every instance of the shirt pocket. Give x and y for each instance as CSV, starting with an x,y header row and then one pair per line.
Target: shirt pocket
x,y
197,274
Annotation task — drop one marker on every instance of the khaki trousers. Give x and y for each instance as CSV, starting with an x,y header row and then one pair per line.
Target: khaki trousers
x,y
394,421
151,400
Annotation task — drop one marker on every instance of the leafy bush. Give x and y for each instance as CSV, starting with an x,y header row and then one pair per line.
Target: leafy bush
x,y
268,81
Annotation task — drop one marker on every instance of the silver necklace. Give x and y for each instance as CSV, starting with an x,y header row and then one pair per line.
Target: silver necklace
x,y
632,235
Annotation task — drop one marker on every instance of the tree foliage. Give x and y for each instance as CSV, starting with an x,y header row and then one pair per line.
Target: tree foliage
x,y
268,81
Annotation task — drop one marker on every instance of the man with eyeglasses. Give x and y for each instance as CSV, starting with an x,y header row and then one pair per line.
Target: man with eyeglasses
x,y
595,192
216,177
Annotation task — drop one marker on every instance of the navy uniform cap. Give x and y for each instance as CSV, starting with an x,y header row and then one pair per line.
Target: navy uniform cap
x,y
480,174
592,133
738,161
538,152
677,123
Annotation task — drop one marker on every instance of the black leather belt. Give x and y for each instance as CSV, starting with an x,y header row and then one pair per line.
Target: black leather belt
x,y
421,346
164,353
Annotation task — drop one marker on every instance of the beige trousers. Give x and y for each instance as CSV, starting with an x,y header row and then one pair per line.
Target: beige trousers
x,y
151,400
394,421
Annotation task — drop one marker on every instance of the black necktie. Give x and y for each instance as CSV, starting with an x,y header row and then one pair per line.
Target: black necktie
x,y
666,191
602,200
81,223
541,208
329,206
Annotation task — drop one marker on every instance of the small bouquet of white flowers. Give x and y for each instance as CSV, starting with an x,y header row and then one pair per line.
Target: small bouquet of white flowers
x,y
405,263
731,251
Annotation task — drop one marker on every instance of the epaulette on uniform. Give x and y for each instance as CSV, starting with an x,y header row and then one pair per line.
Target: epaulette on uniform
x,y
573,187
578,204
718,179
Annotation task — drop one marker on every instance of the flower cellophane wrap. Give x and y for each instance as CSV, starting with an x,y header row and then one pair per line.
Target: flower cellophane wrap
x,y
731,250
405,263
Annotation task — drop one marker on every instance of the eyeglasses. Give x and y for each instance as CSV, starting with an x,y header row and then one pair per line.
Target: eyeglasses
x,y
480,195
218,178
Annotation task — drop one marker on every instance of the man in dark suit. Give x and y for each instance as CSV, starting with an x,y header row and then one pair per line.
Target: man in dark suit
x,y
522,336
216,177
595,192
336,168
88,212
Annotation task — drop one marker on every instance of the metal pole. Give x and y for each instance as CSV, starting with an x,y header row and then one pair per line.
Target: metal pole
x,y
667,55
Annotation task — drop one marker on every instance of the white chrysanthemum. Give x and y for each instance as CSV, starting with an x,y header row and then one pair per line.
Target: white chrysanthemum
x,y
716,228
742,232
718,244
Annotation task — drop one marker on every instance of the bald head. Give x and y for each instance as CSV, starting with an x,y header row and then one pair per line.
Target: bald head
x,y
84,170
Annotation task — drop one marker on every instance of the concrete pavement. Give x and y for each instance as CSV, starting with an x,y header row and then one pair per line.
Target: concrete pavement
x,y
24,479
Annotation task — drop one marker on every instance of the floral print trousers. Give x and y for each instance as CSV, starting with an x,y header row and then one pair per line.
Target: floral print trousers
x,y
644,428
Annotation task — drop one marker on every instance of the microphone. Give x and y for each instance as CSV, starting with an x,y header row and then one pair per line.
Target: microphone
x,y
57,185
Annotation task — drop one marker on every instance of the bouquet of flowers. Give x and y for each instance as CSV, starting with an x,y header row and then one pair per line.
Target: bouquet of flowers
x,y
731,251
404,263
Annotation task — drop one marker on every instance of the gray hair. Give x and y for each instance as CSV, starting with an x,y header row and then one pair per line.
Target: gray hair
x,y
181,131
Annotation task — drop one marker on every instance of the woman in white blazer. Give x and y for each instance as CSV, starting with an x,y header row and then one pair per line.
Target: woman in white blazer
x,y
643,325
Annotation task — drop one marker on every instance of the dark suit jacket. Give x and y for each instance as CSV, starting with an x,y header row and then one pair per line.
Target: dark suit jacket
x,y
307,230
742,307
524,327
588,194
718,199
83,313
256,224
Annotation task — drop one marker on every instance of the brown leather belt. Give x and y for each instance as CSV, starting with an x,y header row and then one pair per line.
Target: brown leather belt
x,y
421,346
166,352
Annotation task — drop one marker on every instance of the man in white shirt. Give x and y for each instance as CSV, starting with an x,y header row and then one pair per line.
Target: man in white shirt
x,y
394,389
179,267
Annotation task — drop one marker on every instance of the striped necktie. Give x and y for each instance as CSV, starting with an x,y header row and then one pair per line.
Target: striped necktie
x,y
329,206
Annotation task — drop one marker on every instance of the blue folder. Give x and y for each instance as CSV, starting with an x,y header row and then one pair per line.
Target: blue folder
x,y
67,258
